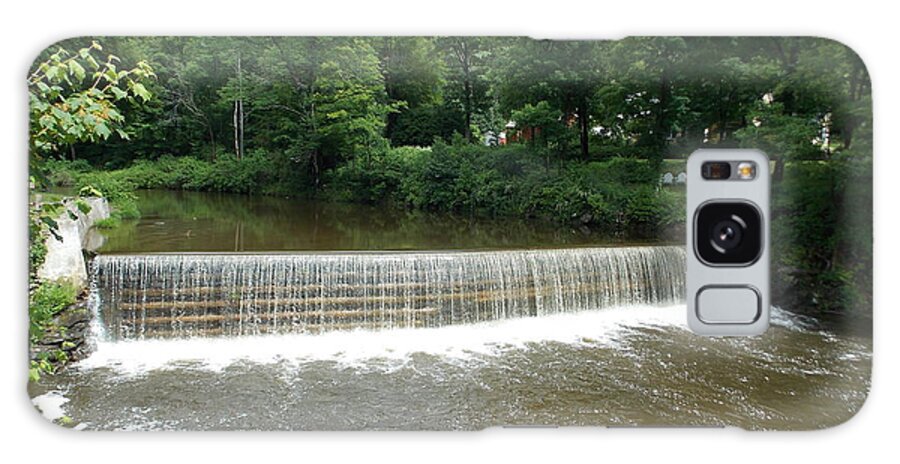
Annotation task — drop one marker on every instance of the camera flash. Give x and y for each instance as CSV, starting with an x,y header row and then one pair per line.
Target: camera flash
x,y
746,170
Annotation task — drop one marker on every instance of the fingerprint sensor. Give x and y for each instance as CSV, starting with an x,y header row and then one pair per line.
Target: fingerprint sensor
x,y
726,304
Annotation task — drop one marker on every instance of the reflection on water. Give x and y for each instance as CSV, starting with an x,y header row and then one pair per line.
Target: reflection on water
x,y
623,365
626,366
173,221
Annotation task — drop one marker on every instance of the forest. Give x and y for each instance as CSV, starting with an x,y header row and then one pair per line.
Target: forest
x,y
574,132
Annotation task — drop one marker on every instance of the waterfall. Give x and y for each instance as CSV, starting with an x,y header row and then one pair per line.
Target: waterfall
x,y
186,295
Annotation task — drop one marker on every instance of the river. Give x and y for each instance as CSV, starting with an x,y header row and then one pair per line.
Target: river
x,y
444,323
180,221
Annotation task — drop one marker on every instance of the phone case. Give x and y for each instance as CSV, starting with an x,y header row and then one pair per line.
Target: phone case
x,y
435,233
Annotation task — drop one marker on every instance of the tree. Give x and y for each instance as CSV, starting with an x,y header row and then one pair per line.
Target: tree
x,y
192,71
649,69
565,74
74,97
334,109
467,59
546,126
413,80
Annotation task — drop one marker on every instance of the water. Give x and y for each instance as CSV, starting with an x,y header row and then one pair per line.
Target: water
x,y
174,221
623,366
446,340
179,295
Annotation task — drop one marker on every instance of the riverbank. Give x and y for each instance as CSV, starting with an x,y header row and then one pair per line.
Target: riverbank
x,y
821,243
618,196
58,277
187,221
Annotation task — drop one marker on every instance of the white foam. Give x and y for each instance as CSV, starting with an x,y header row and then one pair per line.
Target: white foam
x,y
790,321
51,405
459,342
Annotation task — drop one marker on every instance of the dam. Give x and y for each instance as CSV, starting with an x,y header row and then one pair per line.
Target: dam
x,y
214,294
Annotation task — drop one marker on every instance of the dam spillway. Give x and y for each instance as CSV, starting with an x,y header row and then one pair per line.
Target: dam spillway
x,y
189,295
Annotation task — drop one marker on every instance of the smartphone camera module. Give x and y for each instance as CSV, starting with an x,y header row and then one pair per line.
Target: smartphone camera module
x,y
728,233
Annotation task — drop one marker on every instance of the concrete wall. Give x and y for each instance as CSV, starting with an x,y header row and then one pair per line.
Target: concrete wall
x,y
65,260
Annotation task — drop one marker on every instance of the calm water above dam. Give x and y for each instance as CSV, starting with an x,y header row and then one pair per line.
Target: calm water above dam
x,y
175,221
538,326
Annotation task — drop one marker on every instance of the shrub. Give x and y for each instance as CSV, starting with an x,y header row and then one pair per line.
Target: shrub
x,y
47,301
37,246
114,187
432,184
108,223
618,195
381,178
64,173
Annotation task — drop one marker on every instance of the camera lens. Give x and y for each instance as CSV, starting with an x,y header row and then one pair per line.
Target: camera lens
x,y
716,170
728,233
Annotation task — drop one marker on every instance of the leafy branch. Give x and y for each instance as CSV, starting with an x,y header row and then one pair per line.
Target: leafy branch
x,y
64,109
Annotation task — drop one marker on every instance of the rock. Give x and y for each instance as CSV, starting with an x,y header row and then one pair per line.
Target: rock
x,y
64,338
586,218
64,260
93,240
67,333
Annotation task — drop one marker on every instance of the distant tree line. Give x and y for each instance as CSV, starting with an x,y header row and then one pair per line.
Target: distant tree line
x,y
313,103
291,115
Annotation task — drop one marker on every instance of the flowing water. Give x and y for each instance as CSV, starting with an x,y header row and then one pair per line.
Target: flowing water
x,y
144,296
506,335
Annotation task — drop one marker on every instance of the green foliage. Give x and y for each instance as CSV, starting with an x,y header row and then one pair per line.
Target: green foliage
x,y
419,126
546,128
619,195
63,173
73,97
823,236
318,115
37,235
38,367
467,61
563,76
374,180
108,223
119,191
46,363
775,132
256,172
47,300
414,81
312,104
229,174
82,206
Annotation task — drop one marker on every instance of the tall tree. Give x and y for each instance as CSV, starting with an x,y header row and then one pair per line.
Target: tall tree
x,y
413,77
467,59
565,74
650,69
